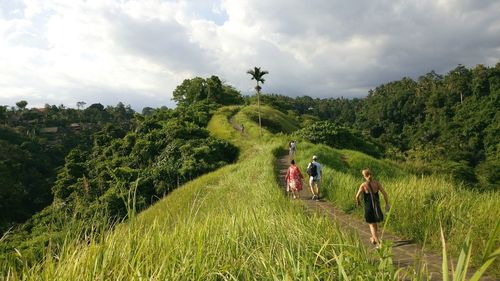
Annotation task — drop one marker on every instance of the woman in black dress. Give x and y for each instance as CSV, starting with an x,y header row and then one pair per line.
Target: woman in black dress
x,y
373,212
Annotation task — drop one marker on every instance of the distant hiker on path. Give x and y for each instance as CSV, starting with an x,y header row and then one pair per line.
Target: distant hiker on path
x,y
373,212
242,129
293,180
314,172
292,147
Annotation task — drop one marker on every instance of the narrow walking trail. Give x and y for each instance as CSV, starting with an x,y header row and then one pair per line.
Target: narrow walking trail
x,y
405,253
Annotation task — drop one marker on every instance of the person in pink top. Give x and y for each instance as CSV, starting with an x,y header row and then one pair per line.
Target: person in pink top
x,y
294,180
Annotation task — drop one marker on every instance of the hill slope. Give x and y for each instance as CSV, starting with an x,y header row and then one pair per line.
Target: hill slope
x,y
235,223
230,224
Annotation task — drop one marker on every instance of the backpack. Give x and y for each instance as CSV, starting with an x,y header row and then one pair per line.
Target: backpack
x,y
312,170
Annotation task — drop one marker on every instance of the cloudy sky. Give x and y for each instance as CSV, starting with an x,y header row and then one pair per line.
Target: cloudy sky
x,y
137,52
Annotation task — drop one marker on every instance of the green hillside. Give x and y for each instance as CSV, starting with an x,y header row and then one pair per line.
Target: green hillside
x,y
235,223
230,224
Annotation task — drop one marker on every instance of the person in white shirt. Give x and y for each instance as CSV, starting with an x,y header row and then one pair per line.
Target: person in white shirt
x,y
314,177
292,146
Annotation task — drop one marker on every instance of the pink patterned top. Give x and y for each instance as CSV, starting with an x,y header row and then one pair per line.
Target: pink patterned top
x,y
293,178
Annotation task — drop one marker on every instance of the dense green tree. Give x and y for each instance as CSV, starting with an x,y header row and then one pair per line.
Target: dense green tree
x,y
31,155
210,90
458,83
3,114
146,111
150,155
327,132
448,119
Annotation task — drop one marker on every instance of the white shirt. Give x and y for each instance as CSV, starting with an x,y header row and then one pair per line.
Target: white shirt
x,y
318,169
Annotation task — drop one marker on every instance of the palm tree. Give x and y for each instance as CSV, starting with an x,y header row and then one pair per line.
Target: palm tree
x,y
78,105
257,75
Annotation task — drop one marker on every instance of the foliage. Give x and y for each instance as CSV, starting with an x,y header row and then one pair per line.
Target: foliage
x,y
327,132
442,119
211,229
149,159
450,118
211,90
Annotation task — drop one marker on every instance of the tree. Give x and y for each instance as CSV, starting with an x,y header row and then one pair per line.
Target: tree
x,y
3,114
80,104
458,82
257,75
22,104
146,111
210,90
190,91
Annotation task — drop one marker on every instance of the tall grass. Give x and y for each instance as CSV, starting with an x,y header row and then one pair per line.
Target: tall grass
x,y
232,224
419,204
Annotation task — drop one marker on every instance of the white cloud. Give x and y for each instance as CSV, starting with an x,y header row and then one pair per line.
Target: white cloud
x,y
137,52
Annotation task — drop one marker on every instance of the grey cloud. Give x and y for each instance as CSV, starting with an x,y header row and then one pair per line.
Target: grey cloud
x,y
163,42
399,38
414,38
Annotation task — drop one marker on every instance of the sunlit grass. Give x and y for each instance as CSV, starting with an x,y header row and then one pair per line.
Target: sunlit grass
x,y
230,224
419,205
235,223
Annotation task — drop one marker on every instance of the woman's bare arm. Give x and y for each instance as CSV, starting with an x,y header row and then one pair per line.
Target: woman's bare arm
x,y
360,190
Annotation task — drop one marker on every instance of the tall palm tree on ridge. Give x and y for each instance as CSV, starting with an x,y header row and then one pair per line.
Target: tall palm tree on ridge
x,y
257,75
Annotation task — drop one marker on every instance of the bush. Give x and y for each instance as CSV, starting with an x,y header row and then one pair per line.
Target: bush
x,y
330,134
487,174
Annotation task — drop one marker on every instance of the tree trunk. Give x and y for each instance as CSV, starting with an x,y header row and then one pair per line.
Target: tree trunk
x,y
258,106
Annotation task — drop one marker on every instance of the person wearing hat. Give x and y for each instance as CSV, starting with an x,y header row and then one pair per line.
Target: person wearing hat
x,y
314,172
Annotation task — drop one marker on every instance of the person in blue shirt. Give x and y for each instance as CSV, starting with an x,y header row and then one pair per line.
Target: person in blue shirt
x,y
314,177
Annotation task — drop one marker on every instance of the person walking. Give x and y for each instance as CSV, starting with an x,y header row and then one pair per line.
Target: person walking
x,y
293,180
314,172
292,147
373,213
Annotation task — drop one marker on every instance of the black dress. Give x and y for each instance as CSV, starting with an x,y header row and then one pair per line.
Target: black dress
x,y
373,212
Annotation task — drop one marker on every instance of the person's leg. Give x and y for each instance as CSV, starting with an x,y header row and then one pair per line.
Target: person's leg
x,y
317,188
374,230
311,186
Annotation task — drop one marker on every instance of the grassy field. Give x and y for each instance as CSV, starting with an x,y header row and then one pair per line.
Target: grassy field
x,y
232,224
419,205
235,223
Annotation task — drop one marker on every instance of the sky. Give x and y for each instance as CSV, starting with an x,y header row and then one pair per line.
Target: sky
x,y
137,52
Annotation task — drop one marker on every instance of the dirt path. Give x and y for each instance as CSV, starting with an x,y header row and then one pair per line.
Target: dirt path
x,y
405,253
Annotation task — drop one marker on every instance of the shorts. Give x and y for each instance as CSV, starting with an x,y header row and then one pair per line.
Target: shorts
x,y
312,181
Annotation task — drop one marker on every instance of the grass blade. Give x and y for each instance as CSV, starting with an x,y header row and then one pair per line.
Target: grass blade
x,y
445,259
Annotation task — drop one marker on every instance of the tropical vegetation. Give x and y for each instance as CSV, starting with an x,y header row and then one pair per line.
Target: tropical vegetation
x,y
180,193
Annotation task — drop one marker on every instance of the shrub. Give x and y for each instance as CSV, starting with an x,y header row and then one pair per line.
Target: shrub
x,y
330,134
